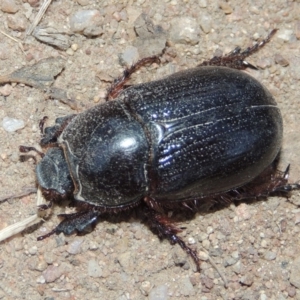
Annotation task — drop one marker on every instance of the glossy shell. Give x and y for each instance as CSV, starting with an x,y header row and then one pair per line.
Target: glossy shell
x,y
196,133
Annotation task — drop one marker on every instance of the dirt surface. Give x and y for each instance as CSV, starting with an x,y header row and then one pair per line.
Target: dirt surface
x,y
255,246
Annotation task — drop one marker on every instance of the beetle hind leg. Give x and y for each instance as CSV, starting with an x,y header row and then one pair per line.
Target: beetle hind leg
x,y
270,182
236,58
165,229
282,183
81,222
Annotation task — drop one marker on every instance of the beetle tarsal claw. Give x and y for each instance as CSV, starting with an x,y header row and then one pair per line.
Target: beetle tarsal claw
x,y
42,237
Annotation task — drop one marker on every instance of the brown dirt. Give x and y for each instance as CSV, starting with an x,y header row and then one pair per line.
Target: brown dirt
x,y
254,245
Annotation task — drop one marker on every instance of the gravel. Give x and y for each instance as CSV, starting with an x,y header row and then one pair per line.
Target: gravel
x,y
254,245
11,124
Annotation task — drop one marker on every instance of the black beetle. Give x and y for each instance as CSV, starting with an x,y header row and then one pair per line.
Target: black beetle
x,y
212,132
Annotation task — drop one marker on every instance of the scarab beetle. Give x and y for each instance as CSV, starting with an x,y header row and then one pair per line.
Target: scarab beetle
x,y
208,134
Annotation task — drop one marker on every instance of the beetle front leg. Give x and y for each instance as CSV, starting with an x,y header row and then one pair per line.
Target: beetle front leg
x,y
165,229
81,222
236,58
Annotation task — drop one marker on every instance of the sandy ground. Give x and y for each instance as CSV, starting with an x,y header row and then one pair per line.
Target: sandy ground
x,y
254,245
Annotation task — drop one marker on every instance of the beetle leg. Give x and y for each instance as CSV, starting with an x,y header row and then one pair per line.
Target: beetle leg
x,y
279,184
268,183
26,149
283,185
119,83
236,58
81,222
42,123
165,229
52,133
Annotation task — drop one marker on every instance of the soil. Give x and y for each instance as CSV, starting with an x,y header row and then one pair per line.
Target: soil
x,y
254,245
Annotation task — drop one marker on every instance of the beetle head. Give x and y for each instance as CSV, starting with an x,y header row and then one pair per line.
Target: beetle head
x,y
53,174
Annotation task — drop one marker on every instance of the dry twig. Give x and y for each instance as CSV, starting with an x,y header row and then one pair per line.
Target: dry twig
x,y
38,17
22,225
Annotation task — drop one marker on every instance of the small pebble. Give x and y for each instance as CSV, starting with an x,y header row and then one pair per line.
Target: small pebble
x,y
279,59
203,255
180,257
207,282
127,262
11,124
151,45
33,3
236,268
41,266
285,34
93,246
49,257
9,6
41,279
243,211
87,22
6,90
202,236
17,22
206,244
226,8
159,292
52,273
129,56
270,255
70,52
202,3
75,246
205,23
191,241
74,47
247,279
185,30
209,230
4,51
235,254
117,16
263,296
229,261
255,10
186,287
146,287
291,291
283,225
94,270
264,243
27,10
33,250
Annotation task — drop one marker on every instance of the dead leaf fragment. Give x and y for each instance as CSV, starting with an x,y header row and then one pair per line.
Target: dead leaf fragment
x,y
53,37
40,75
